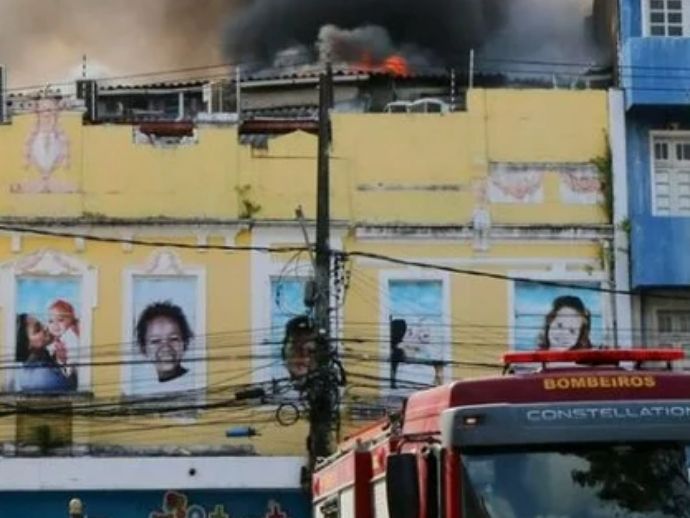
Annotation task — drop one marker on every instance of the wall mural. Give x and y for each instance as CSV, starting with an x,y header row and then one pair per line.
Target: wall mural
x,y
218,503
46,149
292,336
177,505
164,348
552,317
516,183
581,185
418,346
47,334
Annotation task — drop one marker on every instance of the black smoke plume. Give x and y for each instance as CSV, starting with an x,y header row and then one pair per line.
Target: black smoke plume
x,y
440,31
444,28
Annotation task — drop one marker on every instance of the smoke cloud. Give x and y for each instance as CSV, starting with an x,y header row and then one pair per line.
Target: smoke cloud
x,y
446,28
367,45
550,31
440,31
43,40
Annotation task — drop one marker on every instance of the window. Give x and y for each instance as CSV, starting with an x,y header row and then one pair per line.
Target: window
x,y
418,349
666,18
164,328
673,328
671,176
551,317
287,302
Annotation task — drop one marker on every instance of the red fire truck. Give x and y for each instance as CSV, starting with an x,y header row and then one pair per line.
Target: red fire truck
x,y
591,433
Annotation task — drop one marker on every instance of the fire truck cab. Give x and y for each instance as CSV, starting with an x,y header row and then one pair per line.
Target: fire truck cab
x,y
593,433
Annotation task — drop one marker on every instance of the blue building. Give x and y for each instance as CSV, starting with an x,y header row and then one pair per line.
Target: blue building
x,y
654,71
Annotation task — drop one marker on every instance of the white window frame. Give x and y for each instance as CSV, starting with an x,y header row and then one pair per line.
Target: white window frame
x,y
412,275
653,137
49,263
646,20
164,263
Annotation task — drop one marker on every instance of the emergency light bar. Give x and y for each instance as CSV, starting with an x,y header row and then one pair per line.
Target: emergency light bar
x,y
595,356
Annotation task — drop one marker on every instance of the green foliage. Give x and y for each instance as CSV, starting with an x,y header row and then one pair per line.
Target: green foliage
x,y
604,165
248,209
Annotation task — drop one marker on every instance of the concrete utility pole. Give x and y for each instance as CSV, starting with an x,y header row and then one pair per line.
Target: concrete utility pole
x,y
323,388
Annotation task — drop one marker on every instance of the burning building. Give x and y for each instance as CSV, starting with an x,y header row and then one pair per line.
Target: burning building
x,y
387,56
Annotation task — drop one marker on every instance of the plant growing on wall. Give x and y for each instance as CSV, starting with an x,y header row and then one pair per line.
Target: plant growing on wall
x,y
248,208
604,165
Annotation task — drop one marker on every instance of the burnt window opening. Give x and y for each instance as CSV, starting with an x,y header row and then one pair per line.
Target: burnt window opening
x,y
165,133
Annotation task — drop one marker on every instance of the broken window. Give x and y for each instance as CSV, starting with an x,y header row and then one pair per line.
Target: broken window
x,y
165,134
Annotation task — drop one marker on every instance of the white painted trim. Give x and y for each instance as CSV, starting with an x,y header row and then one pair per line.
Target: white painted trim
x,y
499,233
50,264
151,473
16,243
412,274
163,262
621,215
514,262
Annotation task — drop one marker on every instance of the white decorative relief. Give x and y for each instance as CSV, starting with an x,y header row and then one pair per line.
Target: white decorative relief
x,y
48,262
164,262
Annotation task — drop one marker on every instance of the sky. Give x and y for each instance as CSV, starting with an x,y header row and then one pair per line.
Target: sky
x,y
43,41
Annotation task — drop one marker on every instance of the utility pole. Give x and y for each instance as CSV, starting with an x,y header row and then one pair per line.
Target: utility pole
x,y
323,389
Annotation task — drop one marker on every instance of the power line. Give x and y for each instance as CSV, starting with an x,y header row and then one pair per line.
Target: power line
x,y
583,285
342,254
165,72
156,244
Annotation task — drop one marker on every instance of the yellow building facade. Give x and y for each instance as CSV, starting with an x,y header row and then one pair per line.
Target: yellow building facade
x,y
201,231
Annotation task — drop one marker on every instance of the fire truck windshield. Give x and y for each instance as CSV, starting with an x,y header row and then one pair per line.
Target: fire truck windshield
x,y
635,480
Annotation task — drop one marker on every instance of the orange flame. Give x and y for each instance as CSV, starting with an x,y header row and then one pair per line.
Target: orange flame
x,y
394,64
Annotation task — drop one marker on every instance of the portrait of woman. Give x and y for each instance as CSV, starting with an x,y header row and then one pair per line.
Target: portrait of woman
x,y
567,325
40,371
550,317
47,340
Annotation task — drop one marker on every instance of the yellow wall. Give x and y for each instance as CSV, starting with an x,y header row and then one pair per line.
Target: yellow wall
x,y
411,169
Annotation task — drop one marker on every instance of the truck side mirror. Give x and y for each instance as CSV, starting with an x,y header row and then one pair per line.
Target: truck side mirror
x,y
402,486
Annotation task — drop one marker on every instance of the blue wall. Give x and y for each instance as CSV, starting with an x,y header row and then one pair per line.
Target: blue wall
x,y
660,252
654,70
145,504
631,19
